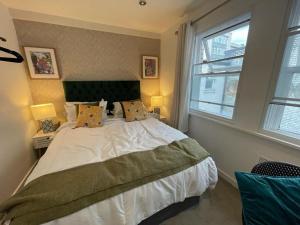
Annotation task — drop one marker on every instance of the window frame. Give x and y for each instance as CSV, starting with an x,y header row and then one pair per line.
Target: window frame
x,y
286,33
227,26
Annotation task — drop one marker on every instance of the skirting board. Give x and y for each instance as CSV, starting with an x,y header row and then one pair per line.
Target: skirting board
x,y
228,178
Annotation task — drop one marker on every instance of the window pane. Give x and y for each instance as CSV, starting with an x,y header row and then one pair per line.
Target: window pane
x,y
295,19
295,87
231,90
284,120
209,89
292,52
215,89
290,87
230,65
290,121
223,111
227,44
289,80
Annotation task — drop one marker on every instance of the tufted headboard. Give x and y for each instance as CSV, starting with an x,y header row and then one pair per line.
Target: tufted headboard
x,y
111,91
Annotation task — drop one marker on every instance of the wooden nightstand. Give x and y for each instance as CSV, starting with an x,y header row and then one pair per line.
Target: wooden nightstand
x,y
162,118
159,117
41,142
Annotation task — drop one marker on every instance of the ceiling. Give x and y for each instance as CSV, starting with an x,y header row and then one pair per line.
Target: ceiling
x,y
157,16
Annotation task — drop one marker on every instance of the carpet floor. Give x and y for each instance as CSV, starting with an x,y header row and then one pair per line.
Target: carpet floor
x,y
221,206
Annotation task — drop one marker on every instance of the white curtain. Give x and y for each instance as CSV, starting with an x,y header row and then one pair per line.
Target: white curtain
x,y
181,94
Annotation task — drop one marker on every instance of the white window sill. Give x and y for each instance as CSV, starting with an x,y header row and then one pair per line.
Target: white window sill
x,y
212,116
270,136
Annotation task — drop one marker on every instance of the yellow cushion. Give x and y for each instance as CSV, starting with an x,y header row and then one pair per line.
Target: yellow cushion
x,y
134,110
89,116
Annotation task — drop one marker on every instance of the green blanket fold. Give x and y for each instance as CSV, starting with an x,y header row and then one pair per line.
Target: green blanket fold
x,y
55,195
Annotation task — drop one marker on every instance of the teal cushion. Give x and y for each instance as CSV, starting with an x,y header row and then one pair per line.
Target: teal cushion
x,y
269,200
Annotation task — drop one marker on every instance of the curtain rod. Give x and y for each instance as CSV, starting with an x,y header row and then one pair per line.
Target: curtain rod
x,y
210,11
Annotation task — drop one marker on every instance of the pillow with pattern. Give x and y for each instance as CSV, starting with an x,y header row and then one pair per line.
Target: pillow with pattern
x,y
72,109
134,110
89,116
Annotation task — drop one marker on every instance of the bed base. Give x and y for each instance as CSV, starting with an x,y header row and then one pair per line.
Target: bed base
x,y
171,211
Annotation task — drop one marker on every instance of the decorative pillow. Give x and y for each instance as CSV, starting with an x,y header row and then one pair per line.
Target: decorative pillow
x,y
269,200
118,110
72,109
134,110
89,116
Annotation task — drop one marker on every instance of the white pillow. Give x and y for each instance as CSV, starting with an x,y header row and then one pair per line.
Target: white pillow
x,y
103,104
118,110
71,111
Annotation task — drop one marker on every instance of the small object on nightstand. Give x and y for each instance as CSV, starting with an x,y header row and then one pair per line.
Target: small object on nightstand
x,y
156,103
44,113
41,141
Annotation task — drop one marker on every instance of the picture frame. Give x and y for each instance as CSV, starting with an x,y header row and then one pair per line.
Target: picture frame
x,y
41,63
150,67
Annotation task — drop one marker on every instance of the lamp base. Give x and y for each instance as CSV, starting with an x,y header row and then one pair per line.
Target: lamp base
x,y
48,126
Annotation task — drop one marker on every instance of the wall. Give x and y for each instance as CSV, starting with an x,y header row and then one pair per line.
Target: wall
x,y
87,55
238,144
16,125
168,61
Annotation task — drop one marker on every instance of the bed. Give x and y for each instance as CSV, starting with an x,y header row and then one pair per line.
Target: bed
x,y
146,204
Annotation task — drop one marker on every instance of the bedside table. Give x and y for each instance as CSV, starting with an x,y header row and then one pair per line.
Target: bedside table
x,y
159,117
162,118
41,142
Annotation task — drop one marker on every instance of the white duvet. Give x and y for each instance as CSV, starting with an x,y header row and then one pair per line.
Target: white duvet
x,y
74,147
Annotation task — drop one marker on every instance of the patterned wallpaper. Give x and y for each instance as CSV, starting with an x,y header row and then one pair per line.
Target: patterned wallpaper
x,y
87,55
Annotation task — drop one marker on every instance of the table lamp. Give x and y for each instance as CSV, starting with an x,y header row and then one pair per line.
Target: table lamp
x,y
156,103
44,113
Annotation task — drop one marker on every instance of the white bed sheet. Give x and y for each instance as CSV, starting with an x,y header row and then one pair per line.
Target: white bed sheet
x,y
74,147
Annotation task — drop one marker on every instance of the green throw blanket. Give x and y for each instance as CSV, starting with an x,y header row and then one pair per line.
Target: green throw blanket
x,y
55,195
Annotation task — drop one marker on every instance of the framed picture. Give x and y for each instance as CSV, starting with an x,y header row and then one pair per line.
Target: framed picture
x,y
150,67
41,63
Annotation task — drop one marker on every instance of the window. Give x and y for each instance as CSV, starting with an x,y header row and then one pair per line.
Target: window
x,y
209,83
283,114
217,64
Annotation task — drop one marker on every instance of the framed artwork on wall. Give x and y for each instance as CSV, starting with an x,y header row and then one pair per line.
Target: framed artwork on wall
x,y
41,63
150,67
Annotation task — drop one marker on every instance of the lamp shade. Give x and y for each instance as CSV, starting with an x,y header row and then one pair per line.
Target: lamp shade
x,y
43,111
156,101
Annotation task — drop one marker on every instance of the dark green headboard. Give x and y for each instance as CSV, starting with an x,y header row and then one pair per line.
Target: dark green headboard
x,y
111,91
